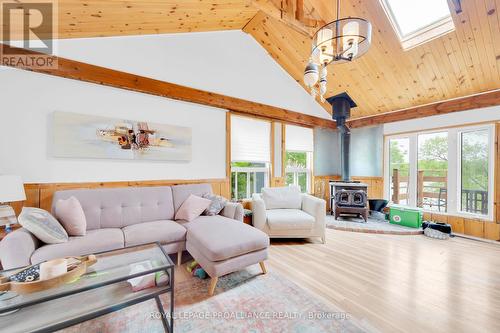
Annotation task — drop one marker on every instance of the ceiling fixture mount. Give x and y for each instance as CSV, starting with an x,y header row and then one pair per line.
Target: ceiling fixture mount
x,y
339,41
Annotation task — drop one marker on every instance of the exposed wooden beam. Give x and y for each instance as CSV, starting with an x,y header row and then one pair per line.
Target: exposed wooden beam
x,y
481,100
272,10
76,70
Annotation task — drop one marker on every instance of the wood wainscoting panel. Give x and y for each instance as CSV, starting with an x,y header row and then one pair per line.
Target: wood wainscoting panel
x,y
492,231
457,224
474,227
468,226
40,195
375,186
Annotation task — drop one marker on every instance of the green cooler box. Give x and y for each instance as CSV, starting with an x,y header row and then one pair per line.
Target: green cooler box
x,y
407,216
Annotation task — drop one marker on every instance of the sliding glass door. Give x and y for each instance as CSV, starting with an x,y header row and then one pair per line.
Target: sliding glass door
x,y
432,171
399,168
446,171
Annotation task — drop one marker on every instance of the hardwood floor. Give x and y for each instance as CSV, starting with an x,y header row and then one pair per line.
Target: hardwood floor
x,y
393,283
399,283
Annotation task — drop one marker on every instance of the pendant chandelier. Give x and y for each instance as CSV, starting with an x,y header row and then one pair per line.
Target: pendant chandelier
x,y
339,41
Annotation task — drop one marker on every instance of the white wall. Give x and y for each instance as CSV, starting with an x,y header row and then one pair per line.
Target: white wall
x,y
28,100
326,152
367,151
446,120
227,62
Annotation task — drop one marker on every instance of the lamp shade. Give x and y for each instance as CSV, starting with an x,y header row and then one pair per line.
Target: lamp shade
x,y
11,188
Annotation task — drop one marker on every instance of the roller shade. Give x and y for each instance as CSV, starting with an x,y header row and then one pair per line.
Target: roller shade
x,y
299,138
250,140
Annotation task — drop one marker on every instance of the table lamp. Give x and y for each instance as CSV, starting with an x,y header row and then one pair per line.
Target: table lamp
x,y
11,190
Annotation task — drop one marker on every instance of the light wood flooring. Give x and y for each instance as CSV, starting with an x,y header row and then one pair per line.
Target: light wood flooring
x,y
393,283
399,283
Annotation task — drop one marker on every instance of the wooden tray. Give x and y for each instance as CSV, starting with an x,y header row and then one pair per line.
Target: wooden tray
x,y
40,285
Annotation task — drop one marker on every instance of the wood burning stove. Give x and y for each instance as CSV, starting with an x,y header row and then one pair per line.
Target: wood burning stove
x,y
346,196
349,198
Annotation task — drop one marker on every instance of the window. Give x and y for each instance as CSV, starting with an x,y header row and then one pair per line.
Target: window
x,y
399,166
449,171
474,173
298,169
248,178
250,156
417,22
432,177
298,157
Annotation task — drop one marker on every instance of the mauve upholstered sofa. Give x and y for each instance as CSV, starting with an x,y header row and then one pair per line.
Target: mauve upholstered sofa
x,y
122,217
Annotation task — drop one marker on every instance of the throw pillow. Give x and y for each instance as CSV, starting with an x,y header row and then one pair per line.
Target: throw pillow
x,y
192,208
217,204
42,225
282,197
70,213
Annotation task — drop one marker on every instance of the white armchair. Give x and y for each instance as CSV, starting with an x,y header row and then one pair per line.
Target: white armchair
x,y
284,212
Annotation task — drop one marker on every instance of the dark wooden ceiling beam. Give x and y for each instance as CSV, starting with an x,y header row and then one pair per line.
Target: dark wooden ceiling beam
x,y
477,101
76,70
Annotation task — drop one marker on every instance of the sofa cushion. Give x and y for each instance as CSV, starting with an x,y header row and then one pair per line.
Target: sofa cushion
x,y
120,207
181,192
70,213
163,231
94,241
220,238
289,219
282,197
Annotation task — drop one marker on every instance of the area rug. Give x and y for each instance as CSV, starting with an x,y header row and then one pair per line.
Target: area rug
x,y
375,226
244,302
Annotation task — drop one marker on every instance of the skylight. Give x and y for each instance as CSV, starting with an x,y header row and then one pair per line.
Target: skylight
x,y
418,21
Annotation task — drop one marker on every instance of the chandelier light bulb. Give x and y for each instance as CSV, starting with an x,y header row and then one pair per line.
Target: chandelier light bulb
x,y
311,74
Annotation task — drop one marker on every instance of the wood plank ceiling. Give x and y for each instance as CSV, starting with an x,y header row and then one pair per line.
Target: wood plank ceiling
x,y
98,18
387,78
461,63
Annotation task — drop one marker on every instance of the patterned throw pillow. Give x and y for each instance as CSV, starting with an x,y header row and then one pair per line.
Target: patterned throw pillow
x,y
42,225
218,204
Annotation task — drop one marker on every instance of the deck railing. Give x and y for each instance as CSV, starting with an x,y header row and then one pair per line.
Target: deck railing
x,y
432,193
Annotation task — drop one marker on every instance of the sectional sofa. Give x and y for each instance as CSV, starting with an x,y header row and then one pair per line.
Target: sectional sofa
x,y
122,217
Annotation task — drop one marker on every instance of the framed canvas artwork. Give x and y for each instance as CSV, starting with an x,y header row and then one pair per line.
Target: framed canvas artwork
x,y
87,136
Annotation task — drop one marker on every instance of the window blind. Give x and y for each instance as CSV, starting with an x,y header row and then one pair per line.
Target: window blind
x,y
250,140
299,138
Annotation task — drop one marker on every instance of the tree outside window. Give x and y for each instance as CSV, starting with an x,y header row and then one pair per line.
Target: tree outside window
x,y
248,178
298,170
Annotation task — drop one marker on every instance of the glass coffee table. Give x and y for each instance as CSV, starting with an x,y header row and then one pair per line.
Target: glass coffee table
x,y
103,289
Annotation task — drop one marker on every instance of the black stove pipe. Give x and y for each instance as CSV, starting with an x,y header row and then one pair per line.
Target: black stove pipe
x,y
341,105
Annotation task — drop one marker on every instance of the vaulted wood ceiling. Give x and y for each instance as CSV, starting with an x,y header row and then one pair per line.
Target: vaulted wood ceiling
x,y
387,78
98,18
463,62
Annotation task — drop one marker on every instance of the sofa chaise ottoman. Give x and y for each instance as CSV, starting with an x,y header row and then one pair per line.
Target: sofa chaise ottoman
x,y
121,217
221,246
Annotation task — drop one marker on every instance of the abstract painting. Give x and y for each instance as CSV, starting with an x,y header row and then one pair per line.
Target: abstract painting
x,y
87,136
